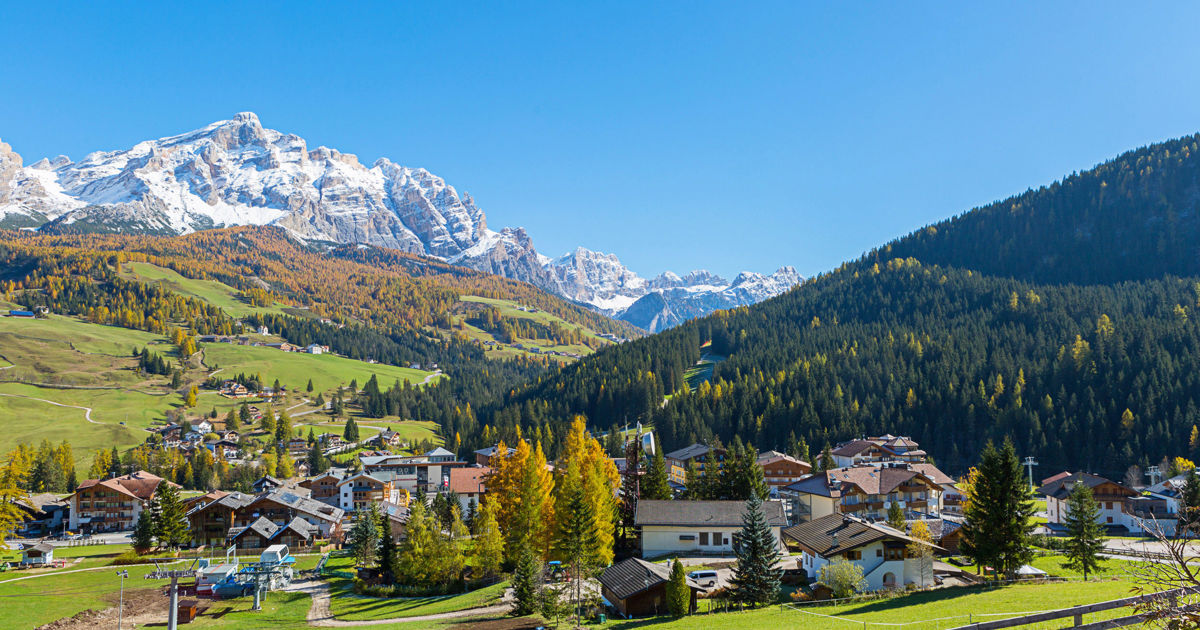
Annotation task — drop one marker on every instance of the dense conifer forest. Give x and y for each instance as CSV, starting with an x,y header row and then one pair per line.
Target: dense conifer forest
x,y
1052,318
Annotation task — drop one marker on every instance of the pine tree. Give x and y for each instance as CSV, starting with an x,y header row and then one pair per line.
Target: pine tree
x,y
189,399
826,462
309,388
389,556
143,532
679,594
283,427
350,433
173,528
244,415
756,575
693,484
526,583
101,463
999,512
231,421
800,451
316,460
655,484
574,542
114,466
365,535
895,516
1085,538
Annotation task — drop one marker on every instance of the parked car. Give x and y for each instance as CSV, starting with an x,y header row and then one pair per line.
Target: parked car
x,y
705,578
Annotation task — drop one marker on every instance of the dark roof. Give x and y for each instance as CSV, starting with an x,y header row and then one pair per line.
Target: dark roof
x,y
702,513
40,547
261,526
1062,486
850,449
630,577
837,533
688,452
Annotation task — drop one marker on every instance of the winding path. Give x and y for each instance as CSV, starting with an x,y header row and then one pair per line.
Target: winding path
x,y
320,614
87,411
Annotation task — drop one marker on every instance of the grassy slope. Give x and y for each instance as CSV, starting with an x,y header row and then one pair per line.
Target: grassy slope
x,y
510,309
293,369
215,293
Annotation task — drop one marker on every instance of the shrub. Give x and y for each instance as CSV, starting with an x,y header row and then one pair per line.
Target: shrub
x,y
129,557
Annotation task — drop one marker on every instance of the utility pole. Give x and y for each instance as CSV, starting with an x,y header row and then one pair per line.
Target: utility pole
x,y
121,606
1030,462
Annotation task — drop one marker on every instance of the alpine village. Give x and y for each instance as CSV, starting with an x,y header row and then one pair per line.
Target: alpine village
x,y
248,381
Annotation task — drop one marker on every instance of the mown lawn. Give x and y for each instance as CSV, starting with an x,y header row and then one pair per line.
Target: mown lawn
x,y
935,609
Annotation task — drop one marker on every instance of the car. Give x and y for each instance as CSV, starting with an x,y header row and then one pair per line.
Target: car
x,y
706,578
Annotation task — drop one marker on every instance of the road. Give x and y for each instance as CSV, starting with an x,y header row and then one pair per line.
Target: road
x,y
87,411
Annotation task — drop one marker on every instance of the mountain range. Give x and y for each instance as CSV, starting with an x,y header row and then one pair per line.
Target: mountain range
x,y
236,172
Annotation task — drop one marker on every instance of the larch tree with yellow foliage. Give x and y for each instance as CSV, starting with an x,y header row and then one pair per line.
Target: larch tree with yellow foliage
x,y
583,464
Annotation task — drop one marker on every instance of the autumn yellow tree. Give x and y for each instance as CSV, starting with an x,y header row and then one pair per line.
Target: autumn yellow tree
x,y
583,464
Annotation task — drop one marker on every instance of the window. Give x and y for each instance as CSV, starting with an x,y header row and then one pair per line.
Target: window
x,y
895,554
1110,519
854,555
878,553
704,538
1108,506
717,539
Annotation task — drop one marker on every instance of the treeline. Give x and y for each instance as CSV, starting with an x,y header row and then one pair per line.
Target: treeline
x,y
1096,377
1131,218
48,468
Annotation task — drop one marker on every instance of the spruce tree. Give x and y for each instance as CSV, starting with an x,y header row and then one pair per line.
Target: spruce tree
x,y
679,594
389,557
826,462
231,421
143,532
309,388
350,433
526,583
1085,537
756,575
655,484
364,537
173,528
999,512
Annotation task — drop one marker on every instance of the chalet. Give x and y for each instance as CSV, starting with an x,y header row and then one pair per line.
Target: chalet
x,y
297,447
223,448
397,515
702,456
262,533
331,440
316,349
696,527
880,551
266,483
877,450
780,469
469,485
359,491
387,438
483,456
42,514
111,504
324,487
170,431
202,426
263,330
36,555
285,346
1109,495
637,588
230,436
212,520
865,491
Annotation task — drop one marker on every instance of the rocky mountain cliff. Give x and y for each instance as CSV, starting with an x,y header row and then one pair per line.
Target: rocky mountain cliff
x,y
236,172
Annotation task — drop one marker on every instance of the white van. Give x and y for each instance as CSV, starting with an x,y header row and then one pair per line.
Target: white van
x,y
707,578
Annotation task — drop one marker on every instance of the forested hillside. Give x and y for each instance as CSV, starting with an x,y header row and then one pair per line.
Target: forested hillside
x,y
1050,317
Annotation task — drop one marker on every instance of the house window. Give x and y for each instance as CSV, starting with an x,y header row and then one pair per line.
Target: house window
x,y
895,554
854,555
716,537
1108,506
704,538
878,553
1110,519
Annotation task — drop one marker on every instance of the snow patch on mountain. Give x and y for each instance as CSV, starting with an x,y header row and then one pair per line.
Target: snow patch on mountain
x,y
236,172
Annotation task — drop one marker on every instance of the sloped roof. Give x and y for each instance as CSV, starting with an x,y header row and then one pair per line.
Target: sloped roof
x,y
261,526
873,479
838,533
688,452
852,448
934,473
1062,486
139,484
464,480
703,513
630,577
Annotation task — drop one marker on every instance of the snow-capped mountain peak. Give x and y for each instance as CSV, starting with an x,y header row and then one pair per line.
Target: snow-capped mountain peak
x,y
237,172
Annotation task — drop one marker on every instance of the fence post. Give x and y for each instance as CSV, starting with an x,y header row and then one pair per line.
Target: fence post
x,y
1078,619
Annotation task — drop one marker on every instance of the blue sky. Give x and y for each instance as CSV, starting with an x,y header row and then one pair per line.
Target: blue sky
x,y
676,135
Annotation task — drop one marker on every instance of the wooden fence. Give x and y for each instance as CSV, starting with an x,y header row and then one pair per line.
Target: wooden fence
x,y
1077,612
